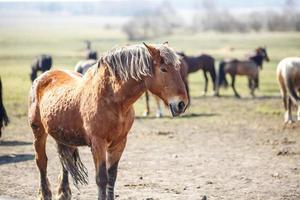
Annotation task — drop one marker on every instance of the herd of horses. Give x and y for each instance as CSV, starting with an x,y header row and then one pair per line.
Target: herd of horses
x,y
93,105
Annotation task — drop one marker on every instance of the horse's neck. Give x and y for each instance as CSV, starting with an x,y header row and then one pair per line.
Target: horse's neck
x,y
118,93
257,59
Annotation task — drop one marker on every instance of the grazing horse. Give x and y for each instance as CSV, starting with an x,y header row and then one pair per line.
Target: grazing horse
x,y
83,65
184,76
90,54
41,63
96,110
204,62
4,120
249,67
288,76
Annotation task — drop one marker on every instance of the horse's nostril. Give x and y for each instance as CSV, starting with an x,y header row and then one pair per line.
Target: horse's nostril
x,y
181,106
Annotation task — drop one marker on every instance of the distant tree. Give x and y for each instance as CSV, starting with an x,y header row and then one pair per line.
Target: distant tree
x,y
159,22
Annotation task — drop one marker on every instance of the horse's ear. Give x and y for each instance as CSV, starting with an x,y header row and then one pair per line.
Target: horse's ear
x,y
152,50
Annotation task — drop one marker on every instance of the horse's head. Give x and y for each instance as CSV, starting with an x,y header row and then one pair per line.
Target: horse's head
x,y
262,51
166,81
182,54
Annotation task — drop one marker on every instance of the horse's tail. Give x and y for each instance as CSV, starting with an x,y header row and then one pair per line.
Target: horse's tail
x,y
69,157
293,93
213,74
4,120
222,75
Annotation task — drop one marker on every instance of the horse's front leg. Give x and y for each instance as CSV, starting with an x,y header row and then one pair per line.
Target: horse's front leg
x,y
233,87
252,86
159,112
147,111
114,154
99,156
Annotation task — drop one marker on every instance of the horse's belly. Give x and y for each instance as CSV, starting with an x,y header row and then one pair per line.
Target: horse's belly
x,y
68,136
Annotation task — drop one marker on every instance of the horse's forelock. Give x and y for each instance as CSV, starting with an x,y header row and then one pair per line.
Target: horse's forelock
x,y
170,56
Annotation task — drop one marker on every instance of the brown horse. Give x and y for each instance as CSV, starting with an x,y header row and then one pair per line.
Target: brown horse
x,y
184,76
204,62
249,67
4,120
288,76
96,110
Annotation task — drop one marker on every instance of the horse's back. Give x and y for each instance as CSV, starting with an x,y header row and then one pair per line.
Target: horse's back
x,y
54,79
289,68
242,67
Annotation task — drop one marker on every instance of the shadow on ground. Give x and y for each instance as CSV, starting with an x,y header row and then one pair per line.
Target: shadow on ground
x,y
14,143
15,158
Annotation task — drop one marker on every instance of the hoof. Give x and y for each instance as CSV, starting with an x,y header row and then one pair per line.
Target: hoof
x,y
216,95
237,96
146,113
46,196
289,122
159,115
64,196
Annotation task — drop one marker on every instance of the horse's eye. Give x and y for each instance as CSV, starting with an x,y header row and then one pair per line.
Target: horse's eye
x,y
163,69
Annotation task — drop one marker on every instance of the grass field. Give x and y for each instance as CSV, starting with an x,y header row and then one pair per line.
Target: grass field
x,y
223,148
20,44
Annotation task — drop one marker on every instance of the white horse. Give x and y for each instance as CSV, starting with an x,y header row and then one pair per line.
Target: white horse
x,y
288,76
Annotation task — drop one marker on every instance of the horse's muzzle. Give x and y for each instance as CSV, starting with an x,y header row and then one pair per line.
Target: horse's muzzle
x,y
177,108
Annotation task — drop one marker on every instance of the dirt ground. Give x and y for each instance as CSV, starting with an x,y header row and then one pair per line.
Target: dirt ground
x,y
222,148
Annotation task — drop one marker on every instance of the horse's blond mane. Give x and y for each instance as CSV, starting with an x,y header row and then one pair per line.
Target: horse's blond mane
x,y
135,61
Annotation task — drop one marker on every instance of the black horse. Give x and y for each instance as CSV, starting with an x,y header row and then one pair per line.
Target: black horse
x,y
41,63
90,54
204,62
4,120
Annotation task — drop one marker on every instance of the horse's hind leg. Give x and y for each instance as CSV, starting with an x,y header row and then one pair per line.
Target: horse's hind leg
x,y
41,160
64,191
205,82
288,114
233,86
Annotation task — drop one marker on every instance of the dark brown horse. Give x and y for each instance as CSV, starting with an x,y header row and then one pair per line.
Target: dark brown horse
x,y
204,62
249,67
3,115
96,110
42,63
